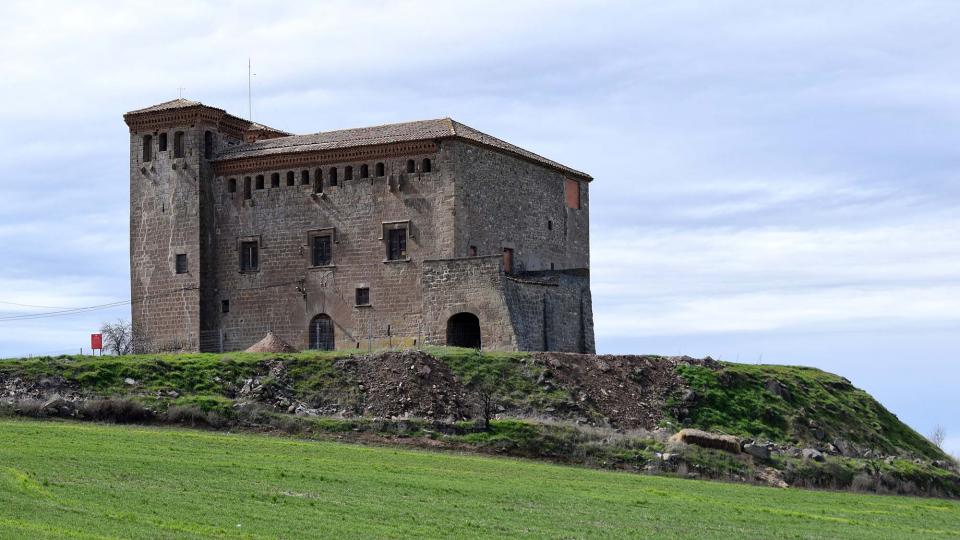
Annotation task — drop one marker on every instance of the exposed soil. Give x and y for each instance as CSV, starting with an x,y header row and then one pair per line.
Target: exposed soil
x,y
629,391
406,383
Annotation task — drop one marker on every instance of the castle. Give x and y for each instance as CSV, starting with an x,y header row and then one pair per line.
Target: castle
x,y
426,232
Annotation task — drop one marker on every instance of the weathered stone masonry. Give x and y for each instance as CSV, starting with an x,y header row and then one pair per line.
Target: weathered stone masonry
x,y
424,232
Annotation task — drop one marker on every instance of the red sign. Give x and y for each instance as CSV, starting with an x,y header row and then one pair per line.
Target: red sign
x,y
96,341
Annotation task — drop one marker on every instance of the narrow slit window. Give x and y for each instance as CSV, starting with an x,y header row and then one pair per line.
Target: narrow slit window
x,y
178,146
318,181
147,148
224,306
249,256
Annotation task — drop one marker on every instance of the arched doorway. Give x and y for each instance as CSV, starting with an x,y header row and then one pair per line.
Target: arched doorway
x,y
463,330
321,333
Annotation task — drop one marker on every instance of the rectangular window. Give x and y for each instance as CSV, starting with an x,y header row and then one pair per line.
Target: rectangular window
x,y
246,188
363,296
181,265
396,244
259,181
275,180
249,256
571,191
147,148
322,250
224,306
508,260
178,144
304,177
232,185
163,142
473,251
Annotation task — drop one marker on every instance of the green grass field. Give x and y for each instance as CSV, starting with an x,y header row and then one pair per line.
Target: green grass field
x,y
73,480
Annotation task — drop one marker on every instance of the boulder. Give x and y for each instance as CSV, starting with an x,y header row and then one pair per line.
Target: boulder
x,y
777,388
758,451
812,453
727,443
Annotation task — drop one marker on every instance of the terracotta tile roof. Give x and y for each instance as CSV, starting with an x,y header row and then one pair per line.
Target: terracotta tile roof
x,y
442,128
178,103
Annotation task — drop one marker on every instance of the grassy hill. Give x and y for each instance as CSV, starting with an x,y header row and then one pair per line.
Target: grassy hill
x,y
601,411
71,480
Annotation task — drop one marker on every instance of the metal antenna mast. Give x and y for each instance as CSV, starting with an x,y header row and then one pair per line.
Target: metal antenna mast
x,y
249,90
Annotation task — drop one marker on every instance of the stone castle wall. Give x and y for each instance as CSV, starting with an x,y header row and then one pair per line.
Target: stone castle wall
x,y
461,214
287,292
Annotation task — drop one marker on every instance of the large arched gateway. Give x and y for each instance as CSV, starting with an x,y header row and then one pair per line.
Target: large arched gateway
x,y
321,333
463,330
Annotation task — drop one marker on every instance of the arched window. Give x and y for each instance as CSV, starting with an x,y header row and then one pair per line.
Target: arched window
x,y
411,166
332,178
364,171
425,166
208,145
147,148
163,142
318,181
463,330
321,333
379,170
291,179
178,144
232,185
305,177
259,181
246,188
275,180
348,173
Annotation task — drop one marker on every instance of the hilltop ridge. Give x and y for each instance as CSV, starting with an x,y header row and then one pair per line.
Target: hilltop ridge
x,y
796,425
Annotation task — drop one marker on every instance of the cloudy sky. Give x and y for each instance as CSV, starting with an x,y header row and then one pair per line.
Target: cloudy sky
x,y
775,182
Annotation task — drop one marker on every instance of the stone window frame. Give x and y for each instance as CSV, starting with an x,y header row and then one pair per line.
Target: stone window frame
x,y
291,178
327,231
244,240
384,235
181,264
179,144
356,296
146,147
162,142
274,180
